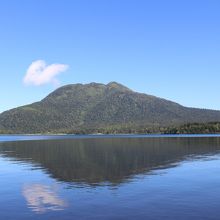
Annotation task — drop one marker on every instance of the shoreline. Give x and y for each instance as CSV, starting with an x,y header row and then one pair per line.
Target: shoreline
x,y
41,137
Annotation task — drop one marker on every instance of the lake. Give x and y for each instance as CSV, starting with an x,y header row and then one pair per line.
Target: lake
x,y
110,177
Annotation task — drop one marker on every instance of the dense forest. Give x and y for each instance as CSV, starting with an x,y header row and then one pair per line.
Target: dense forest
x,y
189,128
195,128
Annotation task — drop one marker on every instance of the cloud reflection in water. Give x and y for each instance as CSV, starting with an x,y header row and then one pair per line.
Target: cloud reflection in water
x,y
42,198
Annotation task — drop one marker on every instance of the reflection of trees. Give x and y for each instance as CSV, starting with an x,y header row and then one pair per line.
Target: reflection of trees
x,y
94,161
41,198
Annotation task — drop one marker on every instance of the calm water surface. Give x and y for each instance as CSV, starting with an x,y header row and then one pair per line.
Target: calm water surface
x,y
109,177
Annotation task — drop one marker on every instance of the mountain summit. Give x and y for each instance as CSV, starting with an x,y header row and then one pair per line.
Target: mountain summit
x,y
94,107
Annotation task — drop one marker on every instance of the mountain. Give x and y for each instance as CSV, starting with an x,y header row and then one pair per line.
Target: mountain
x,y
95,107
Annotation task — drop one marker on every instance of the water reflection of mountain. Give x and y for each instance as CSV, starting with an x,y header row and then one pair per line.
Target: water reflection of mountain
x,y
94,161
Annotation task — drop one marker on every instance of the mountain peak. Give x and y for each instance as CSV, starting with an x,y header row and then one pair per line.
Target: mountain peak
x,y
116,85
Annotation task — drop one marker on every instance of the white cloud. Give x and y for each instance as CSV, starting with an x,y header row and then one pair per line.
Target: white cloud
x,y
40,73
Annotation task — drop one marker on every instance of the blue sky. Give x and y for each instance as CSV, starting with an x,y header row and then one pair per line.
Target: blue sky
x,y
170,49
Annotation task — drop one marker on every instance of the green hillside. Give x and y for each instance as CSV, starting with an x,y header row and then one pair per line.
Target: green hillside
x,y
94,107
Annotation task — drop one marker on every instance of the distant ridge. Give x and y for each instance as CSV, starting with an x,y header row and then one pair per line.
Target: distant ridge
x,y
96,107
